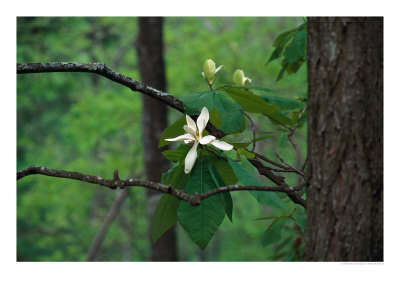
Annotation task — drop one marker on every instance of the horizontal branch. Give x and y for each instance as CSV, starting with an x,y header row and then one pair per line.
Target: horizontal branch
x,y
102,69
114,183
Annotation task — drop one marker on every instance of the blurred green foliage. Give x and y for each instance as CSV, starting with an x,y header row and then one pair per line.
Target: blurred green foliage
x,y
86,123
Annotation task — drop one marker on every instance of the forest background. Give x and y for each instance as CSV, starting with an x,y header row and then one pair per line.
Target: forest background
x,y
84,122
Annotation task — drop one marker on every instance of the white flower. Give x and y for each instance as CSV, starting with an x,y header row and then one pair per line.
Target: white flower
x,y
240,79
194,136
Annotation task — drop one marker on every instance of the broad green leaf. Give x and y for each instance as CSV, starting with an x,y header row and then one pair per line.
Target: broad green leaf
x,y
260,138
276,54
300,221
283,38
228,204
246,178
178,154
201,222
283,69
229,112
267,218
254,104
284,103
251,87
249,101
295,50
294,67
224,170
194,103
165,214
237,140
173,130
215,118
273,233
246,154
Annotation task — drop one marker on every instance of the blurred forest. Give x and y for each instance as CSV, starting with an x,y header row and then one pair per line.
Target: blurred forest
x,y
86,123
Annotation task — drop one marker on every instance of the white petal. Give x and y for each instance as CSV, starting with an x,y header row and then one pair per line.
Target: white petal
x,y
202,120
202,73
186,136
207,139
222,145
191,158
189,130
191,124
219,68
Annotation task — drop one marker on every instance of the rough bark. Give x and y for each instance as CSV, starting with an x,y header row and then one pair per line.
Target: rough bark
x,y
345,140
149,46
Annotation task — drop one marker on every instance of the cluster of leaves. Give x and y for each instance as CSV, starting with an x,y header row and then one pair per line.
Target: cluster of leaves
x,y
215,169
291,45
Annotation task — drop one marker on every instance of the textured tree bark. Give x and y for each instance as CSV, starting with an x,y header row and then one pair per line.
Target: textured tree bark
x,y
345,140
149,47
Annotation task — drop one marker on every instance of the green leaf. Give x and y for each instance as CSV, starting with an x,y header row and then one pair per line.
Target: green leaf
x,y
283,38
254,104
250,87
295,50
178,154
229,112
275,54
173,130
294,67
215,118
249,101
283,69
284,103
194,103
246,178
237,140
165,214
228,204
300,221
273,233
246,154
201,222
224,170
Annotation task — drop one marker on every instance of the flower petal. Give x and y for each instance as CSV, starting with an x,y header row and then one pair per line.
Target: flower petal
x,y
191,124
186,136
219,68
222,145
207,139
189,130
191,158
202,120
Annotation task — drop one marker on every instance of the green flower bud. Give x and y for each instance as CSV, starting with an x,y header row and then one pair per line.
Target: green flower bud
x,y
210,71
240,79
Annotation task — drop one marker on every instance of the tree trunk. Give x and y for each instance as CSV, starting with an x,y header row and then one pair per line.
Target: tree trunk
x,y
149,46
345,140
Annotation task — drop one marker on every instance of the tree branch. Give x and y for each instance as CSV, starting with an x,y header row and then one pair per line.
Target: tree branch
x,y
103,70
112,214
194,199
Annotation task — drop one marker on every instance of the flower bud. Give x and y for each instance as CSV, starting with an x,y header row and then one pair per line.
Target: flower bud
x,y
240,79
210,71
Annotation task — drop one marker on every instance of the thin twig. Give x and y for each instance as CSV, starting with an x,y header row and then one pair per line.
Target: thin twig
x,y
253,127
290,166
280,123
296,148
112,214
194,199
